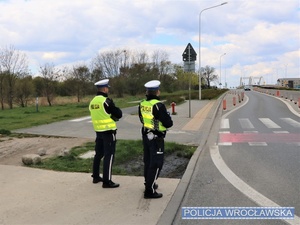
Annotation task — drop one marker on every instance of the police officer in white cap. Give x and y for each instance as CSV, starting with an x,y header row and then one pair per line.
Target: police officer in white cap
x,y
104,115
155,119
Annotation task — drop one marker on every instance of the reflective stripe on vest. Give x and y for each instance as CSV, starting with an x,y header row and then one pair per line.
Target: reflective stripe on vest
x,y
150,122
100,118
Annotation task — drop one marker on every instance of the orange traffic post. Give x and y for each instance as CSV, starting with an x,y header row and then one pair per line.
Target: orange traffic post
x,y
234,101
224,104
299,102
173,104
277,93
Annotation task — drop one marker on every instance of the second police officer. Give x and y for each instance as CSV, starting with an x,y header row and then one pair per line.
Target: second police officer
x,y
155,119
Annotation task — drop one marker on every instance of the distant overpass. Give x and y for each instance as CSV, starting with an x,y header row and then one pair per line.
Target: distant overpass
x,y
251,80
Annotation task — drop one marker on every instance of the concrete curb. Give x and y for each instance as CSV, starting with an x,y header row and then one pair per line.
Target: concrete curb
x,y
172,208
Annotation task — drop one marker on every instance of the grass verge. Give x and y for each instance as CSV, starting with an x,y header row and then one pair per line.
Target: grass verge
x,y
65,108
17,118
128,158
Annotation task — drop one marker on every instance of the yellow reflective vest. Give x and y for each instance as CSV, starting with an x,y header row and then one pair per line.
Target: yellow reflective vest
x,y
101,120
150,122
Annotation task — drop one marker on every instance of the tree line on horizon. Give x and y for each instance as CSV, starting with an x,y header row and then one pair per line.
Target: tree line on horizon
x,y
127,71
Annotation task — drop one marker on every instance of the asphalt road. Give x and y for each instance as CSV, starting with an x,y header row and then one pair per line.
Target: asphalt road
x,y
252,159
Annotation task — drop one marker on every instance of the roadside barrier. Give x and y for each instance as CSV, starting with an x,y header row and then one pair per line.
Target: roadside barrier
x,y
224,104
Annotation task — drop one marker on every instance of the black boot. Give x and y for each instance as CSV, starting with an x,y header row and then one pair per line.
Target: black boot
x,y
97,179
110,184
150,194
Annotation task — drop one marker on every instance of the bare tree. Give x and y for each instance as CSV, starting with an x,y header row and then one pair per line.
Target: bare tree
x,y
81,75
140,58
24,90
110,62
96,71
3,87
14,64
208,75
50,75
160,60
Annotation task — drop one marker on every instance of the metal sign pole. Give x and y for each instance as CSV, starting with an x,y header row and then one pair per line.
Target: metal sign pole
x,y
189,57
189,53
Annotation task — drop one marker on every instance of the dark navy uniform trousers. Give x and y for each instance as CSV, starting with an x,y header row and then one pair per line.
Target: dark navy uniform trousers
x,y
153,160
105,147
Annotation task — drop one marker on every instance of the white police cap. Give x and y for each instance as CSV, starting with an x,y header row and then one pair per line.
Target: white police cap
x,y
102,83
152,85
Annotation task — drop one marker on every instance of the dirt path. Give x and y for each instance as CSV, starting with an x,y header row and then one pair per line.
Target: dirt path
x,y
12,149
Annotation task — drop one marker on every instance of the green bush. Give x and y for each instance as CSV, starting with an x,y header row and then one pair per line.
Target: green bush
x,y
177,99
180,96
209,94
5,132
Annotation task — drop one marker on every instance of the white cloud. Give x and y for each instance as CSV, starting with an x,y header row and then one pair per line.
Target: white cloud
x,y
53,56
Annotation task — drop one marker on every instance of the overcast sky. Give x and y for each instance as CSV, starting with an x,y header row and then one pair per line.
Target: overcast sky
x,y
259,37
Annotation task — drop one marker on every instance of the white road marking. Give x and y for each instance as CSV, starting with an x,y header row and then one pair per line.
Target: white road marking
x,y
225,143
292,122
243,187
257,143
80,119
225,124
245,123
269,123
289,106
281,132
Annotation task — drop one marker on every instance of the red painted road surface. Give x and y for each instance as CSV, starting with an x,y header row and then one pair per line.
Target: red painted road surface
x,y
257,137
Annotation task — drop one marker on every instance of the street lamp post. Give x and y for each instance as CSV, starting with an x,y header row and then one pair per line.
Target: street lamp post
x,y
200,43
221,70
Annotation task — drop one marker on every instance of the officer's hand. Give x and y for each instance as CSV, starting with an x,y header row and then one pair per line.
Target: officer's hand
x,y
114,118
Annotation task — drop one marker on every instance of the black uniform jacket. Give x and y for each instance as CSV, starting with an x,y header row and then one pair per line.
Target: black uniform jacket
x,y
110,108
160,113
